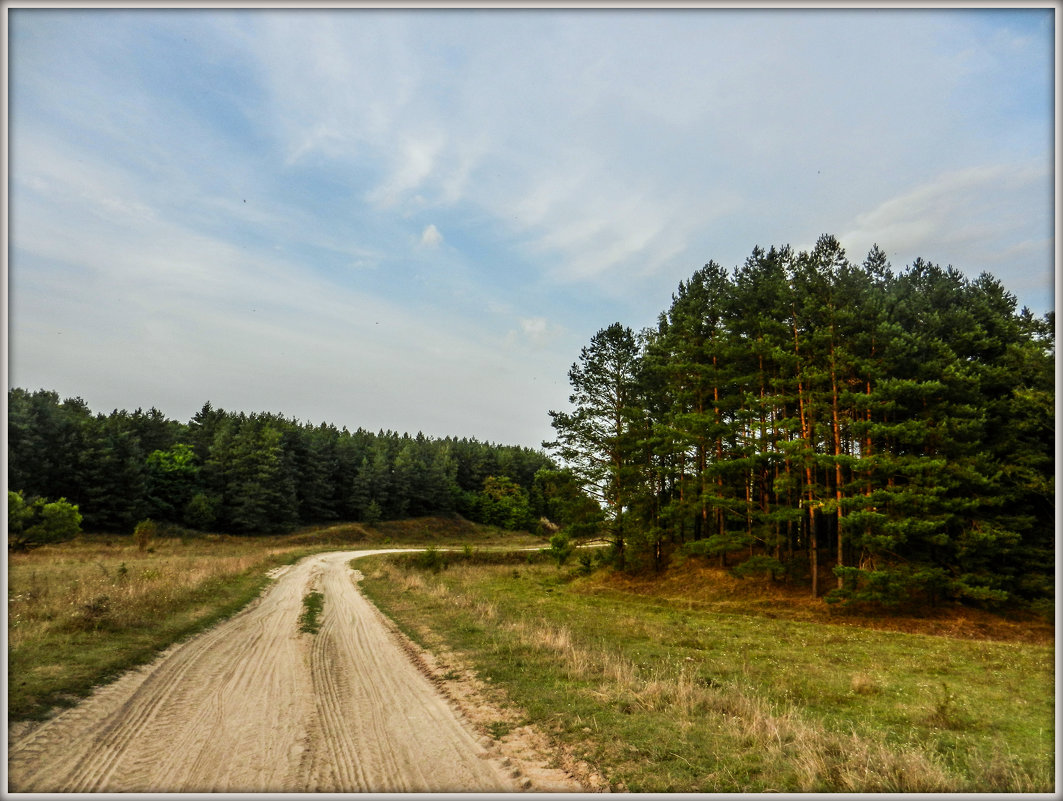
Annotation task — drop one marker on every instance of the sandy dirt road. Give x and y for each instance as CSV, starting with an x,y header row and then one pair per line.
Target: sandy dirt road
x,y
254,705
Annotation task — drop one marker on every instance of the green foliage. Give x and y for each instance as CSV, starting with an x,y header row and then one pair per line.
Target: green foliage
x,y
145,531
599,440
172,478
893,585
39,522
252,473
505,504
561,547
373,514
760,564
586,563
431,559
201,511
557,496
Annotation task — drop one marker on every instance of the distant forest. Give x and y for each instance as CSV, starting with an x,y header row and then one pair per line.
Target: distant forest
x,y
256,473
882,435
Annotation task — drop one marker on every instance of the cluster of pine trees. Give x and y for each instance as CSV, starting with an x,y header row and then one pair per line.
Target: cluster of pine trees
x,y
256,473
889,434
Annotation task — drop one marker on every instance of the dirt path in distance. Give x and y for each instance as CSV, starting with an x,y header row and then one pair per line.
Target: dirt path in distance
x,y
254,705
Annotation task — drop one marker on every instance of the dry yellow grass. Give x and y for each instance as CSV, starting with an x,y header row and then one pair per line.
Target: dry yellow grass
x,y
96,583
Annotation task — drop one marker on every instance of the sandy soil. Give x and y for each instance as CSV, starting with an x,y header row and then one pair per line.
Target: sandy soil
x,y
254,705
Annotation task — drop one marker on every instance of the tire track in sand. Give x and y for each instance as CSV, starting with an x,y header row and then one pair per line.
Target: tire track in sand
x,y
253,705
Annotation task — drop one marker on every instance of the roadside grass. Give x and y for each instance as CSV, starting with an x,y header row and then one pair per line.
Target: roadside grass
x,y
82,612
660,696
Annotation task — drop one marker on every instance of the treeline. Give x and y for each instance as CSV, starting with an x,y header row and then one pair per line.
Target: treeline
x,y
889,434
256,473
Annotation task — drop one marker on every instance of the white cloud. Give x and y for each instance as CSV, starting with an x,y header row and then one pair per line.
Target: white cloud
x,y
537,331
321,138
431,237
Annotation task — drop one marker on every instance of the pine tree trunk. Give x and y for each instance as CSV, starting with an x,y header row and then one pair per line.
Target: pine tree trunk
x,y
837,458
806,436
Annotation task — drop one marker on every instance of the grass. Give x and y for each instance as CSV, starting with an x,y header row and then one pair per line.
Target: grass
x,y
312,605
663,695
82,612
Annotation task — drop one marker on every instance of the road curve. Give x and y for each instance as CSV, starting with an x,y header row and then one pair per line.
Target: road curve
x,y
254,705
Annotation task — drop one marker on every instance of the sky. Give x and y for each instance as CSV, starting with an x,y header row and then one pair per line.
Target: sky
x,y
413,219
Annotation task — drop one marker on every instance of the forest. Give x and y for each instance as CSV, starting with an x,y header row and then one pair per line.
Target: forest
x,y
256,473
879,435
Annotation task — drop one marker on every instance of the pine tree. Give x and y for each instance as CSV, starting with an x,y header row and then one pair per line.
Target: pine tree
x,y
597,439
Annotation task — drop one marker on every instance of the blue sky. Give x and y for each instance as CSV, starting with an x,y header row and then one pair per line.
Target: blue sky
x,y
414,219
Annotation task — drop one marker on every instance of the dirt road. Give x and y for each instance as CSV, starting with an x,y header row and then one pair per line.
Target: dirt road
x,y
254,705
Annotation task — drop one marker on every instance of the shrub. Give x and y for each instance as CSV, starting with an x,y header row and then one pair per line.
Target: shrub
x,y
586,561
772,568
201,511
430,559
40,522
373,514
144,532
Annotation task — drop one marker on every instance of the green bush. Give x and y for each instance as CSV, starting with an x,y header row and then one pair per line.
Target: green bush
x,y
768,566
39,522
561,547
586,562
201,511
373,514
430,559
145,531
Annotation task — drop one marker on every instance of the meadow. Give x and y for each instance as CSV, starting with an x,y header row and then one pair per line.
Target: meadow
x,y
663,694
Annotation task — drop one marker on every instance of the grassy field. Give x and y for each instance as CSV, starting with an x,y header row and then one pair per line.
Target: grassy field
x,y
81,612
667,694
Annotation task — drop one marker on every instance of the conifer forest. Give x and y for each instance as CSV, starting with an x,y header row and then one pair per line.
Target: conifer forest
x,y
882,435
254,473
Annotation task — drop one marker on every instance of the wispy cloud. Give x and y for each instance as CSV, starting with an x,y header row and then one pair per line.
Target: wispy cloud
x,y
255,201
978,218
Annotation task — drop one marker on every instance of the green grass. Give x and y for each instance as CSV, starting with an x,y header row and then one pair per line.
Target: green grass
x,y
312,605
660,697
